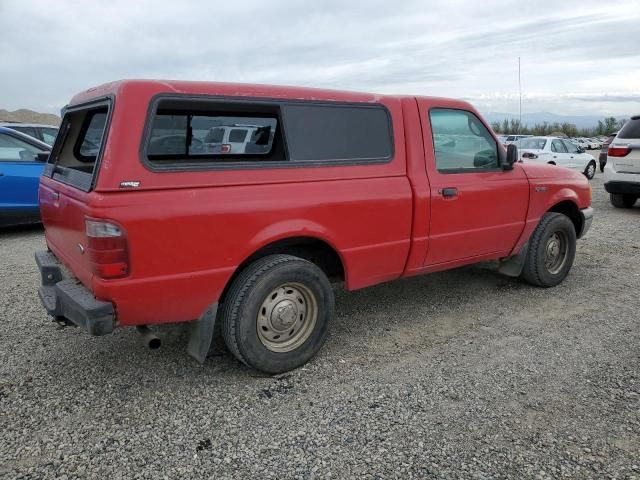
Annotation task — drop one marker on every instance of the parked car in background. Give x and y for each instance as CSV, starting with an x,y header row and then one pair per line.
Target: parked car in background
x,y
514,138
139,236
44,133
622,171
557,151
22,159
595,143
603,152
580,142
586,143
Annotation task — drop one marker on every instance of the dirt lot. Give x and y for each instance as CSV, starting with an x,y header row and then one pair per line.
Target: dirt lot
x,y
463,374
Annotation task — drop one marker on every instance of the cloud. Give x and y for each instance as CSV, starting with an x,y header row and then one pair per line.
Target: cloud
x,y
571,52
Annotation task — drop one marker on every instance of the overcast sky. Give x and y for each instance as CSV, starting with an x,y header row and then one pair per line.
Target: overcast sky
x,y
578,57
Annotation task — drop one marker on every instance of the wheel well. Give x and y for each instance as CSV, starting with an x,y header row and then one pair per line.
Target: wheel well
x,y
572,211
312,249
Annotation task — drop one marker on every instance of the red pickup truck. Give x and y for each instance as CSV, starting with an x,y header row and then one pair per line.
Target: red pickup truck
x,y
168,201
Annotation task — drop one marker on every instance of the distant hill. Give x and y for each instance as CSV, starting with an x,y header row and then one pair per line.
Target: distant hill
x,y
530,119
29,116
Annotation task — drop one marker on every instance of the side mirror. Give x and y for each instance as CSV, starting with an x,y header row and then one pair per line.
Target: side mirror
x,y
512,157
580,149
42,157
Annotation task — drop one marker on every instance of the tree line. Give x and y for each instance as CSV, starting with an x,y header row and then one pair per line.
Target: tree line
x,y
605,127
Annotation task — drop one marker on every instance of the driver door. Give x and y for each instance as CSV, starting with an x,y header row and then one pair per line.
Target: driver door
x,y
478,210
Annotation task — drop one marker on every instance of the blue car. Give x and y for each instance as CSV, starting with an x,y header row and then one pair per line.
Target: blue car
x,y
22,160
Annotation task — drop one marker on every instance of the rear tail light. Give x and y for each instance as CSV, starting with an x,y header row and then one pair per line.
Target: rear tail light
x,y
529,155
618,151
107,248
225,148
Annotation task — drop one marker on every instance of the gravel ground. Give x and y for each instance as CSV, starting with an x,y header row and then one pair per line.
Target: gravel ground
x,y
461,374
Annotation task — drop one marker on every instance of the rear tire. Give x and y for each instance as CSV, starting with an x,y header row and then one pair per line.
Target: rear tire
x,y
590,171
277,312
622,201
552,249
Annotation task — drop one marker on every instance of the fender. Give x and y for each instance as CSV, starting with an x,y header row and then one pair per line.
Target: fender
x,y
294,228
201,330
539,205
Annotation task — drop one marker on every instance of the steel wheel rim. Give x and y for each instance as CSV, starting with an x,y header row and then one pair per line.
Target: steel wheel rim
x,y
287,317
556,252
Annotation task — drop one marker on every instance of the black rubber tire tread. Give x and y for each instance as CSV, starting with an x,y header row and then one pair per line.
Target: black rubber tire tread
x,y
595,167
532,272
619,200
240,289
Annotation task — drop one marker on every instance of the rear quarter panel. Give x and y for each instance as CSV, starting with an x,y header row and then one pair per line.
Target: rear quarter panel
x,y
186,244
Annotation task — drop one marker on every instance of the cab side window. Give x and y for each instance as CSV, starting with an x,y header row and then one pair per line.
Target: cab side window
x,y
558,147
461,142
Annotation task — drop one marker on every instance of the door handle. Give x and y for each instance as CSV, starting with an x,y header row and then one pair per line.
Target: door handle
x,y
449,192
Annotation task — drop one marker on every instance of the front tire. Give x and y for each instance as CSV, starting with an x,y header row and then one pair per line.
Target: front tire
x,y
552,249
622,201
590,171
277,312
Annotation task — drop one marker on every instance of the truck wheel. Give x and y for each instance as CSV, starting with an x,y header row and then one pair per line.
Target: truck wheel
x,y
277,312
552,248
622,201
590,171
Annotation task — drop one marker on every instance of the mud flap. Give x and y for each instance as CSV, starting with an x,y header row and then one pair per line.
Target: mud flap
x,y
201,334
512,266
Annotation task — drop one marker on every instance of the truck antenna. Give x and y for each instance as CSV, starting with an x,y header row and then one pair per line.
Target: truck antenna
x,y
520,90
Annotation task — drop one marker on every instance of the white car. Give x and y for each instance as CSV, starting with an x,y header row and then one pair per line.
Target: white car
x,y
622,171
236,139
582,142
514,138
586,143
557,151
595,143
503,140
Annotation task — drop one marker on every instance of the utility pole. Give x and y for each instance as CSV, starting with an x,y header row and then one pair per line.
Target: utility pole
x,y
520,90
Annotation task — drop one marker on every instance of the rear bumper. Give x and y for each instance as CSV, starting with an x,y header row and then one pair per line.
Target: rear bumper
x,y
62,295
587,220
623,188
